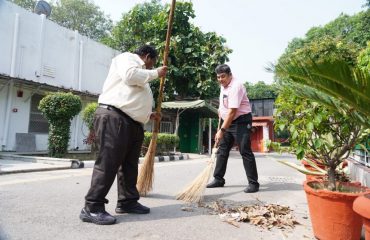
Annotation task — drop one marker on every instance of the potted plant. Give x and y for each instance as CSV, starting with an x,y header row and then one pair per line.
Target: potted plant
x,y
361,206
319,132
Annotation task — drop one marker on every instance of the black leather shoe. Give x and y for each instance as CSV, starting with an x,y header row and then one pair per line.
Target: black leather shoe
x,y
216,183
133,208
100,218
252,189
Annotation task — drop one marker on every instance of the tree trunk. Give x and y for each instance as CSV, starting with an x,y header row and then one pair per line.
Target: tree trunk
x,y
331,178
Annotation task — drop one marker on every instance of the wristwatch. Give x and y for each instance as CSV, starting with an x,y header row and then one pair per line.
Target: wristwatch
x,y
223,130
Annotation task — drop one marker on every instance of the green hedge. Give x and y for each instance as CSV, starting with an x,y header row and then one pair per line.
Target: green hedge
x,y
165,142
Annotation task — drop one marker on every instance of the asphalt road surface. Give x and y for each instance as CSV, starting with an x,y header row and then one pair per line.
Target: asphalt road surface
x,y
46,205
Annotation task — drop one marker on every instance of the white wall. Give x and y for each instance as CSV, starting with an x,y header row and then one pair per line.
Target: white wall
x,y
45,52
49,53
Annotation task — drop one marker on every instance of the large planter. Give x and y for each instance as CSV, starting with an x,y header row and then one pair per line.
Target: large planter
x,y
362,206
332,216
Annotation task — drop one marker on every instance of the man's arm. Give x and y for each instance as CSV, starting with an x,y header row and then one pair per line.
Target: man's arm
x,y
129,70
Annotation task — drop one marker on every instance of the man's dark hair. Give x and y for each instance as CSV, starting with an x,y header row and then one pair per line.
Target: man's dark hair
x,y
145,50
223,68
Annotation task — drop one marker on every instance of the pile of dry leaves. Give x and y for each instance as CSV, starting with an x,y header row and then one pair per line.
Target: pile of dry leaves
x,y
266,216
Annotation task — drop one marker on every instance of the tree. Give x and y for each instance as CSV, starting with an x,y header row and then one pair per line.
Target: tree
x,y
27,4
193,54
330,67
327,60
83,16
351,29
261,90
80,15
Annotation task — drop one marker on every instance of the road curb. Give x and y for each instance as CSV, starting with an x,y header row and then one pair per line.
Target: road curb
x,y
64,163
90,164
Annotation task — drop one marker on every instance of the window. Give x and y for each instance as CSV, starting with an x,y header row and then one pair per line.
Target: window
x,y
262,107
37,124
166,127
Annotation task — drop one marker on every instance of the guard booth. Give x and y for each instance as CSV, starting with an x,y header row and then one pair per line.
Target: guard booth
x,y
189,122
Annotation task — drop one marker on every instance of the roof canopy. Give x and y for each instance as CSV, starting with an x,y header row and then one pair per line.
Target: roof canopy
x,y
198,106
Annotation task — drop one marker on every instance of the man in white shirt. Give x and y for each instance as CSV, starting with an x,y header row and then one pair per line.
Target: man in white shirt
x,y
125,104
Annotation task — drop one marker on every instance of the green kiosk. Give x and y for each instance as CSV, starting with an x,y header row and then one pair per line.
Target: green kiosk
x,y
189,116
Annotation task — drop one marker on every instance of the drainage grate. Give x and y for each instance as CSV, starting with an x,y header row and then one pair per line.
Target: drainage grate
x,y
280,179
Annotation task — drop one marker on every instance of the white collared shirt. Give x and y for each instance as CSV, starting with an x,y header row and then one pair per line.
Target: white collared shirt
x,y
127,87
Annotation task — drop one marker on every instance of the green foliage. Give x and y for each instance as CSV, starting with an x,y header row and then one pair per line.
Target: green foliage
x,y
81,15
193,54
332,74
165,142
27,4
261,90
59,109
364,59
88,114
352,29
316,130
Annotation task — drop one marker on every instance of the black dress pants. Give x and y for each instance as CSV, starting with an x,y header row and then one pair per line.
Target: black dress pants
x,y
119,140
239,131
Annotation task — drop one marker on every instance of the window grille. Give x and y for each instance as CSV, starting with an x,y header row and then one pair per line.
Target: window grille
x,y
166,127
37,124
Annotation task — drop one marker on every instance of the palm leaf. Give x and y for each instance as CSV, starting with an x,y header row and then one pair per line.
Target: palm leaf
x,y
335,78
302,169
305,91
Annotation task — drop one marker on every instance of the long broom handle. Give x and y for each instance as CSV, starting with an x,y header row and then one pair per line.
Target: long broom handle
x,y
165,62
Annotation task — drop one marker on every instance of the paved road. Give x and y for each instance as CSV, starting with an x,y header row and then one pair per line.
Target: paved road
x,y
46,205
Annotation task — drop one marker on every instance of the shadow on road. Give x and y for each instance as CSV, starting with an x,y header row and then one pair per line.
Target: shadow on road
x,y
161,213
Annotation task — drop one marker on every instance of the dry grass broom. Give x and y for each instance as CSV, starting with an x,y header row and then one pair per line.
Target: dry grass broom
x,y
194,191
146,173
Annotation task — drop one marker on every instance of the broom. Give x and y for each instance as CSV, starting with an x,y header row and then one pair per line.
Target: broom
x,y
194,191
146,173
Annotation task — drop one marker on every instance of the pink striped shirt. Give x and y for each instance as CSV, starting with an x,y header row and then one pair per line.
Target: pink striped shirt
x,y
234,96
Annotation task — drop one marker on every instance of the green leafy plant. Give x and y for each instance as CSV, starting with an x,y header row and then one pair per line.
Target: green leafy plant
x,y
88,118
317,132
193,55
165,142
59,109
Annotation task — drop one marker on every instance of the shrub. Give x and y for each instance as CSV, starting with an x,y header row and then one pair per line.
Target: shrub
x,y
165,142
59,109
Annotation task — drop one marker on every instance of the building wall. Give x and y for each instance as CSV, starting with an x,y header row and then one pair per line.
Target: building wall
x,y
42,52
48,53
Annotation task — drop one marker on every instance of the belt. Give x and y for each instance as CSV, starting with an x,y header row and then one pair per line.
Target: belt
x,y
113,108
119,111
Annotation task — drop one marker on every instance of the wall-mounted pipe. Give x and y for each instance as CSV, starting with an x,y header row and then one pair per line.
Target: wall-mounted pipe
x,y
41,45
11,85
77,122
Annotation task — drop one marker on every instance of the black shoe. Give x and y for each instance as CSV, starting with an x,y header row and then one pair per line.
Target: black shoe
x,y
133,208
100,218
216,183
252,189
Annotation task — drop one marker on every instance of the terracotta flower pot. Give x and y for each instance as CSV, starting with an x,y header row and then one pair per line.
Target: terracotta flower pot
x,y
362,206
332,216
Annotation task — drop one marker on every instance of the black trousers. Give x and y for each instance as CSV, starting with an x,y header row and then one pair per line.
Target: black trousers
x,y
239,131
119,140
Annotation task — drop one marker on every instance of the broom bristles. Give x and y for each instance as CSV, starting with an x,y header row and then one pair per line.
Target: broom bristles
x,y
194,191
146,174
